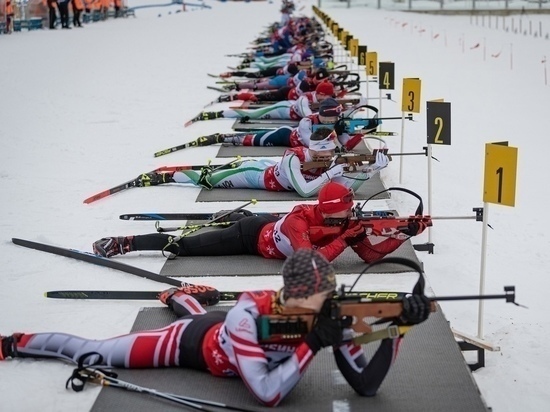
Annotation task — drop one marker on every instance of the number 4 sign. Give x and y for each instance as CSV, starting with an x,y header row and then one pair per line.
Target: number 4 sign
x,y
500,174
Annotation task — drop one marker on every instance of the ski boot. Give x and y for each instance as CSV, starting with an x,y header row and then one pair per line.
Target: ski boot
x,y
154,179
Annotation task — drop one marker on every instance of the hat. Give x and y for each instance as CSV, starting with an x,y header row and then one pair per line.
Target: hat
x,y
334,197
291,69
322,139
330,107
321,74
325,88
305,273
304,86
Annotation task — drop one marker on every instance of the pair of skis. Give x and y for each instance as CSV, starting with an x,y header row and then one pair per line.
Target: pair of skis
x,y
141,295
163,169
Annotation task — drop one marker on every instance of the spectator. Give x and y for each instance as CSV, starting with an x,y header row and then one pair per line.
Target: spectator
x,y
77,6
64,13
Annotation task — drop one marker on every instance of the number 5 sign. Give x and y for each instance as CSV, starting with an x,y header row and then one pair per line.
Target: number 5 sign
x,y
500,174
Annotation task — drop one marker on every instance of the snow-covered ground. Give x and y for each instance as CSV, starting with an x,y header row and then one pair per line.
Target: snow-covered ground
x,y
85,109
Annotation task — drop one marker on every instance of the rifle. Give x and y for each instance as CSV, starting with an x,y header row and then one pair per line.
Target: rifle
x,y
354,160
293,324
374,225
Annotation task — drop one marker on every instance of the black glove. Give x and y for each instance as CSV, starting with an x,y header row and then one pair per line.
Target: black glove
x,y
354,234
326,332
414,228
340,127
416,309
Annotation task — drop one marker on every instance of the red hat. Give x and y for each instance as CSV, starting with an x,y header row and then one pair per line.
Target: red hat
x,y
325,88
334,197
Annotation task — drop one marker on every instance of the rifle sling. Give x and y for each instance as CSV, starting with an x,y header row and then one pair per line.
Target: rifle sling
x,y
391,332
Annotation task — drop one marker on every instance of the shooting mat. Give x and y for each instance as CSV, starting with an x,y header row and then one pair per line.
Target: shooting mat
x,y
247,265
430,374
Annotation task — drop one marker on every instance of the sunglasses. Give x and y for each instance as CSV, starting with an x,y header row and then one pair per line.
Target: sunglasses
x,y
348,197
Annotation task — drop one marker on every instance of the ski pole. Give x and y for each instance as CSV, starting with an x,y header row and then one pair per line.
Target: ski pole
x,y
174,240
160,229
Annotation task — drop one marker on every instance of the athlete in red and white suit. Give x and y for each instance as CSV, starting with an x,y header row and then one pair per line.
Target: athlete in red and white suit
x,y
224,343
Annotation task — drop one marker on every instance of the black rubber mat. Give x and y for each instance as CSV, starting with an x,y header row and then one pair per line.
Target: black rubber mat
x,y
243,265
430,374
365,191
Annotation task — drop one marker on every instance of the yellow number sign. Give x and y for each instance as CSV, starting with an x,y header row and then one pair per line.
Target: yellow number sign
x,y
372,64
499,182
410,99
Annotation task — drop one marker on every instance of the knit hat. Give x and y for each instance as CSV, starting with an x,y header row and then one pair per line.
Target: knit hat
x,y
325,88
304,86
321,74
330,108
305,273
291,69
334,197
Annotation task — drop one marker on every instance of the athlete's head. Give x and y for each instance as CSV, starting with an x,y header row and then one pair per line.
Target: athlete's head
x,y
308,278
322,144
324,90
335,201
329,111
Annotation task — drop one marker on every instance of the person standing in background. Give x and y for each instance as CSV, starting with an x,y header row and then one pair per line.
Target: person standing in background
x,y
77,6
64,13
118,8
52,5
9,17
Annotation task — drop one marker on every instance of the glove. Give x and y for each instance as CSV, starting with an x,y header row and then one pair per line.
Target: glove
x,y
335,171
354,234
326,331
416,309
233,216
340,127
414,228
380,163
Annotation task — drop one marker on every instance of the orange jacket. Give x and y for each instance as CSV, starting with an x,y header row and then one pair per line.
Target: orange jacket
x,y
78,4
9,8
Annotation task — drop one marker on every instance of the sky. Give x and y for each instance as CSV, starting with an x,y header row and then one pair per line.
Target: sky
x,y
85,109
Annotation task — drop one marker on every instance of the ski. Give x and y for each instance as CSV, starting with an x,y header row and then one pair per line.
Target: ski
x,y
224,296
199,142
181,216
380,133
96,260
134,182
218,89
119,295
204,116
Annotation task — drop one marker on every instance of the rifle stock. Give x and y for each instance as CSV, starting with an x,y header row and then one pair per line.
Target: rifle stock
x,y
375,225
354,160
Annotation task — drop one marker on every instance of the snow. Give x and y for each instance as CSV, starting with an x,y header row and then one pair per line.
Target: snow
x,y
85,109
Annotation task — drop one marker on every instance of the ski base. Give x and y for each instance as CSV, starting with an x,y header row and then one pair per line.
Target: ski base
x,y
96,260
